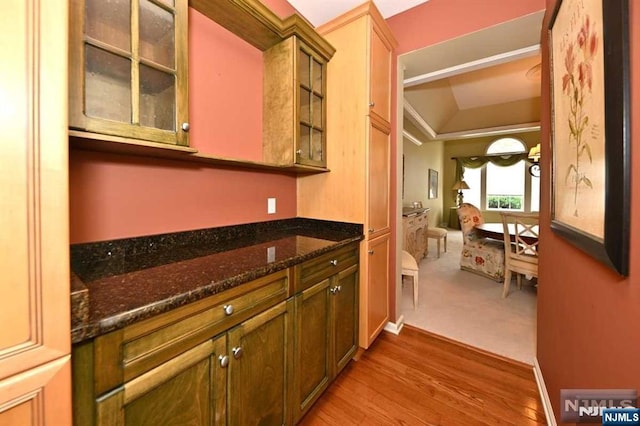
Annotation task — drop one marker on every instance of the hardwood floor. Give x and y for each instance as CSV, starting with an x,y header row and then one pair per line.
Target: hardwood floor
x,y
418,378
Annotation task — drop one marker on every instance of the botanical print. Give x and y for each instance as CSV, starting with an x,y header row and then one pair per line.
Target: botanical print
x,y
578,127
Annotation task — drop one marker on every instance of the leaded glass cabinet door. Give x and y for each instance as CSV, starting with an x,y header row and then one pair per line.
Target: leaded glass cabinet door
x,y
128,68
311,138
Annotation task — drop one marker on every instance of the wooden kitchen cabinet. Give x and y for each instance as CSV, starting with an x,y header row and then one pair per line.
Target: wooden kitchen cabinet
x,y
358,189
128,69
234,379
260,368
261,352
35,343
326,336
187,361
379,178
376,294
294,104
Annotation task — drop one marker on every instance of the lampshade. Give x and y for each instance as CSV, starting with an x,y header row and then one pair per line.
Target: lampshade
x,y
460,185
534,154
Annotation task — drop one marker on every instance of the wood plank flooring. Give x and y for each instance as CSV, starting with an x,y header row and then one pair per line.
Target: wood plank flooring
x,y
418,378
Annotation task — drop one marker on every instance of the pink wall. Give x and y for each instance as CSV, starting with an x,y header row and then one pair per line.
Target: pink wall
x,y
588,330
439,20
116,196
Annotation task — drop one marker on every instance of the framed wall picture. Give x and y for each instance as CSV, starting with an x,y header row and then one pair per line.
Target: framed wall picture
x,y
589,45
433,184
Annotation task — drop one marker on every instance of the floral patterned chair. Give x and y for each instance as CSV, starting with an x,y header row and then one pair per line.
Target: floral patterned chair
x,y
483,256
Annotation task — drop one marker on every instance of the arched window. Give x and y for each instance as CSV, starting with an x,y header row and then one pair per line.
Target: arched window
x,y
503,188
506,146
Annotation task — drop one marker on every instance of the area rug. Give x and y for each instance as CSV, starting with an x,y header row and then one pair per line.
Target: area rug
x,y
469,308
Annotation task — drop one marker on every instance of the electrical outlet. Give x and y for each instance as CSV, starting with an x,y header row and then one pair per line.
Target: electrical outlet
x,y
271,254
271,205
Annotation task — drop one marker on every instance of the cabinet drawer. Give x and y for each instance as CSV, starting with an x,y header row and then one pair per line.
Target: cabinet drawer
x,y
315,270
145,345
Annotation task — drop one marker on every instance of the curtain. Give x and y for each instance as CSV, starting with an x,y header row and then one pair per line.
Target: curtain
x,y
481,160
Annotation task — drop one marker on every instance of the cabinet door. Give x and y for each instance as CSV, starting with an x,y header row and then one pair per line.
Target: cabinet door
x,y
35,381
380,89
313,322
344,319
378,182
294,105
375,306
261,352
177,392
128,69
311,140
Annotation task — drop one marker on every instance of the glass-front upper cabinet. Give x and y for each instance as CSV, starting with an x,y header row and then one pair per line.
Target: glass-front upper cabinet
x,y
294,108
311,93
128,69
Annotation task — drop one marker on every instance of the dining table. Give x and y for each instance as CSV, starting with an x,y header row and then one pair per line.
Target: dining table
x,y
495,230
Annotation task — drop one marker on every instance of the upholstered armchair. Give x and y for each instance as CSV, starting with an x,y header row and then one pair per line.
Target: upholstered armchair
x,y
483,256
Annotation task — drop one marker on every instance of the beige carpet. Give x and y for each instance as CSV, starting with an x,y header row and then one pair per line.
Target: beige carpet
x,y
469,308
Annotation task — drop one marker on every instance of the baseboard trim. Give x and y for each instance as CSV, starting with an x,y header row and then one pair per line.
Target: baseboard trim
x,y
396,327
544,396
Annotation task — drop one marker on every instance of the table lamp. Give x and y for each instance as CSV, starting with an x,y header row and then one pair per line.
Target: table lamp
x,y
459,186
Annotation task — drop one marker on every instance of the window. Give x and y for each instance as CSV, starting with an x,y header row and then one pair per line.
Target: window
x,y
494,187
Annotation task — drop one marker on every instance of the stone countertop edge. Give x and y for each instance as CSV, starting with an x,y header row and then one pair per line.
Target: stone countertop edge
x,y
91,330
411,211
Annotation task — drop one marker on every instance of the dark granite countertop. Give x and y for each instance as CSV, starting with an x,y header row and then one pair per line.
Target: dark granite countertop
x,y
129,280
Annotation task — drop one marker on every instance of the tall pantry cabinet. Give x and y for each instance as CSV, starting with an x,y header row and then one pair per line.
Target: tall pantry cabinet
x,y
35,343
358,152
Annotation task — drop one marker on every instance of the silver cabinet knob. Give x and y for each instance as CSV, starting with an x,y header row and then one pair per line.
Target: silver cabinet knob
x,y
299,152
224,361
370,252
372,104
185,127
338,288
334,262
371,230
228,309
333,290
237,352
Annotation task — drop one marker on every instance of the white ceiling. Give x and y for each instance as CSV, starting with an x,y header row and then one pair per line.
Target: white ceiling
x,y
319,12
468,86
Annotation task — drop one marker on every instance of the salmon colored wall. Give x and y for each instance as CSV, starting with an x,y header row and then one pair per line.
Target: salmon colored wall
x,y
439,20
588,316
116,196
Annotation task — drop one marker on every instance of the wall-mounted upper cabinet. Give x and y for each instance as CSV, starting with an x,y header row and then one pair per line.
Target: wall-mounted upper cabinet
x,y
129,80
128,69
294,105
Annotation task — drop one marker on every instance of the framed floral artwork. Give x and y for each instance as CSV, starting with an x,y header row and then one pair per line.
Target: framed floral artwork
x,y
590,142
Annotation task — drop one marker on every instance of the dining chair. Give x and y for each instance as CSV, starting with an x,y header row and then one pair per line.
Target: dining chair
x,y
483,256
521,247
410,268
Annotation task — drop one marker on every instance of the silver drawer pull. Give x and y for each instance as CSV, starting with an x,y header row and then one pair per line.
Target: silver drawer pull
x,y
237,352
228,309
334,262
224,361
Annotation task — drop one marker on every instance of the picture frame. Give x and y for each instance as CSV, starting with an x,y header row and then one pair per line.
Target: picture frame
x,y
590,135
433,184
